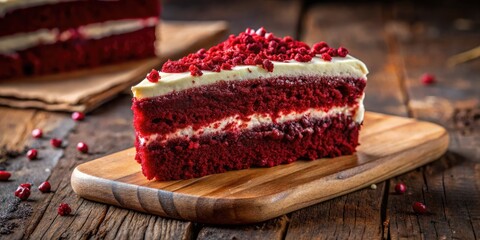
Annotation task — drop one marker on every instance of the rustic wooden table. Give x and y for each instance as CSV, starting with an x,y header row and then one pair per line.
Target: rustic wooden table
x,y
398,41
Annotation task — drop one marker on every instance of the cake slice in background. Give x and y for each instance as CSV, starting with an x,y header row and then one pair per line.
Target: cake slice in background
x,y
40,37
255,100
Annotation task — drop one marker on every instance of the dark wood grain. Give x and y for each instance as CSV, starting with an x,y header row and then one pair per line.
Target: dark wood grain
x,y
449,187
271,229
259,194
278,16
358,27
15,138
111,128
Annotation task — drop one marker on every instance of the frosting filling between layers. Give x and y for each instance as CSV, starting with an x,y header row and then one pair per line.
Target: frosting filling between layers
x,y
170,82
21,41
235,123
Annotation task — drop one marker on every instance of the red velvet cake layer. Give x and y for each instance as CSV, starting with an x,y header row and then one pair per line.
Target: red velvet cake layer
x,y
72,14
263,146
78,53
200,106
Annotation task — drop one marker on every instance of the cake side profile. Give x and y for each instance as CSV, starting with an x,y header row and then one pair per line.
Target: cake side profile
x,y
255,100
65,35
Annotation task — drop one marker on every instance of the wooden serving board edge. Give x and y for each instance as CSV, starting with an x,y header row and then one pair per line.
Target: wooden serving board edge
x,y
251,210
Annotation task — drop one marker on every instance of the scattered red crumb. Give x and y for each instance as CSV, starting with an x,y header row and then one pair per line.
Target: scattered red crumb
x,y
32,154
82,147
78,116
55,142
419,208
44,187
26,185
400,188
64,209
37,133
23,193
4,175
428,79
153,76
250,48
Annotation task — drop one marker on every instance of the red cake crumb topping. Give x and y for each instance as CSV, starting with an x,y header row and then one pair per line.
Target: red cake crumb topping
x,y
326,57
153,76
342,52
249,48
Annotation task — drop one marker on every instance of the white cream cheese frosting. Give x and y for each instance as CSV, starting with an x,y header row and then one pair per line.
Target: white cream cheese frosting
x,y
235,123
169,82
21,41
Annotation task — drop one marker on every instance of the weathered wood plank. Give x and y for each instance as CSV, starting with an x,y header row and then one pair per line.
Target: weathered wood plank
x,y
352,216
125,224
271,229
106,130
357,215
449,187
15,128
280,17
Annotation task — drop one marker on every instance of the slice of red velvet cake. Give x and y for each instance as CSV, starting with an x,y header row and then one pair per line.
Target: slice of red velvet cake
x,y
49,36
255,100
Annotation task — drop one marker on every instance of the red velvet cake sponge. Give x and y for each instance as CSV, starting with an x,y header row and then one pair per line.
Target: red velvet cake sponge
x,y
254,100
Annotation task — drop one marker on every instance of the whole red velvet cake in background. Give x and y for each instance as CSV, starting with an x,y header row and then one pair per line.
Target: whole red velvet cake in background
x,y
255,100
49,36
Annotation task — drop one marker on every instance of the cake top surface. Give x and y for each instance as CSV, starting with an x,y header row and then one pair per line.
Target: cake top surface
x,y
250,55
251,48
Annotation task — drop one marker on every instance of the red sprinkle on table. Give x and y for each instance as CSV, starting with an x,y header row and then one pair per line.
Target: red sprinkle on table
x,y
44,187
37,133
249,48
55,142
64,209
32,154
400,188
78,116
4,175
419,208
82,147
428,79
153,76
23,193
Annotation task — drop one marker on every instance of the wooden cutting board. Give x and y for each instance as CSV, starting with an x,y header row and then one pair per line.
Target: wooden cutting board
x,y
389,146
